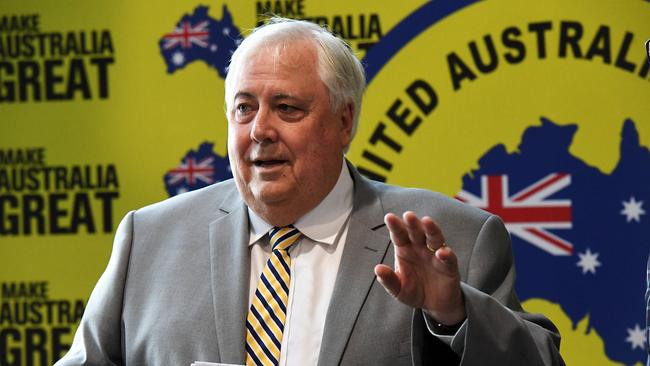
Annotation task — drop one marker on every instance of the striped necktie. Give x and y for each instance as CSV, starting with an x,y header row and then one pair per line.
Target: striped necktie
x,y
265,321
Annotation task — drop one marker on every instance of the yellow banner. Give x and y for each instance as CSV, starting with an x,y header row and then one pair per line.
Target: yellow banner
x,y
109,106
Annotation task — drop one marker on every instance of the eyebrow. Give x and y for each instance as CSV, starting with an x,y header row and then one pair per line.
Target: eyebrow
x,y
283,96
276,97
243,94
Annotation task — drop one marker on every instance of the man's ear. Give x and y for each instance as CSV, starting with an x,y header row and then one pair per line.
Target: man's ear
x,y
347,121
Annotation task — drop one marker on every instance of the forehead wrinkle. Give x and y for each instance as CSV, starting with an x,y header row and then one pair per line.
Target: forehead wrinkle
x,y
282,59
283,95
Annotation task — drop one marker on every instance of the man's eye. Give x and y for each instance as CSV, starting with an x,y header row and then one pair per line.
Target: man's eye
x,y
243,108
244,112
287,108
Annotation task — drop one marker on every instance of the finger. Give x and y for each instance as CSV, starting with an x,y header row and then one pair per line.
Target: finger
x,y
434,237
397,229
415,229
446,260
389,279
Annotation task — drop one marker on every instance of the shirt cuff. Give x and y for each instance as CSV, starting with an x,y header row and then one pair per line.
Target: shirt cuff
x,y
455,341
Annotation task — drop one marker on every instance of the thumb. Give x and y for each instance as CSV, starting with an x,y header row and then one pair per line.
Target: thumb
x,y
389,279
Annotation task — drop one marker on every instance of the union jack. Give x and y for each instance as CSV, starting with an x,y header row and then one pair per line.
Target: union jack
x,y
190,171
527,213
186,35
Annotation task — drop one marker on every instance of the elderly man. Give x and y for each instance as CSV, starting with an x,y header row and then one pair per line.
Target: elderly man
x,y
290,262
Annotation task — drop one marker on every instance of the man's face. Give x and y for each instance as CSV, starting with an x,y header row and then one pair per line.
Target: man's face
x,y
285,143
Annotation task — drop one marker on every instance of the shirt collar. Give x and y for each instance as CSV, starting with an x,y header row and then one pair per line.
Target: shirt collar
x,y
323,222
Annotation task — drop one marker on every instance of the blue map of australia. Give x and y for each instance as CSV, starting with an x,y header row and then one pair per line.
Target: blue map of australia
x,y
199,37
580,236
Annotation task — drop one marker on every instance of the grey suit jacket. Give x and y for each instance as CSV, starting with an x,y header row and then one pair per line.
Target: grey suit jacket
x,y
176,288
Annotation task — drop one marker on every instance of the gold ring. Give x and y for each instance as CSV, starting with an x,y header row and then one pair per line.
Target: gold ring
x,y
433,250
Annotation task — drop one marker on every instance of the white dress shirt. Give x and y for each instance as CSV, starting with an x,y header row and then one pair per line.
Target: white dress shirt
x,y
315,260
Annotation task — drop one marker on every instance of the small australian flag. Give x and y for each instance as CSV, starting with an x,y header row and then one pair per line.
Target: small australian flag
x,y
200,37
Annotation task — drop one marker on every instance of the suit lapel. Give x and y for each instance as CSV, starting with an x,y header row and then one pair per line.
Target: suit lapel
x,y
230,267
364,248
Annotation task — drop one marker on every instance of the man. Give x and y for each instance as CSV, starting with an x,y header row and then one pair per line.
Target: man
x,y
226,287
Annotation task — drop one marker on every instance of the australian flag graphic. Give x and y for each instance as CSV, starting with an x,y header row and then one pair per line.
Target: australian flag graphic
x,y
200,37
581,237
197,169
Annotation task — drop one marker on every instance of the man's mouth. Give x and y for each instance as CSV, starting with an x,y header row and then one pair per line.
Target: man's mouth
x,y
268,163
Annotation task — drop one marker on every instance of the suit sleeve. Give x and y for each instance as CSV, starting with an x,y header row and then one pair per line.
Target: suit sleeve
x,y
497,330
98,340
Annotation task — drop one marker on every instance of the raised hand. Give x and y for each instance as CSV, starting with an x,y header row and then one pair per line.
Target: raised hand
x,y
426,272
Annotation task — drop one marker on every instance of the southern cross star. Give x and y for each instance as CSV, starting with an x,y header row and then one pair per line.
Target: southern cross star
x,y
633,210
588,261
636,337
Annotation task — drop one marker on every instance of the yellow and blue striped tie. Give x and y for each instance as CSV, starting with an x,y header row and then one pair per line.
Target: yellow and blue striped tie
x,y
265,321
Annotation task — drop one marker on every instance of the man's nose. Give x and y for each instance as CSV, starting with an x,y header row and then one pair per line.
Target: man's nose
x,y
264,126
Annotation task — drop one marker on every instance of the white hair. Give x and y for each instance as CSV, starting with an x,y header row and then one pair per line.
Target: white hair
x,y
338,67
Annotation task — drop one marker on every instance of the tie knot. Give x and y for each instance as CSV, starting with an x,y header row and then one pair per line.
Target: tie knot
x,y
283,237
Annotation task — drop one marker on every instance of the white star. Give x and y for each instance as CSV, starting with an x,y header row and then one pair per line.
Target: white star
x,y
633,210
238,41
588,261
228,168
181,190
213,47
636,336
178,58
226,31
